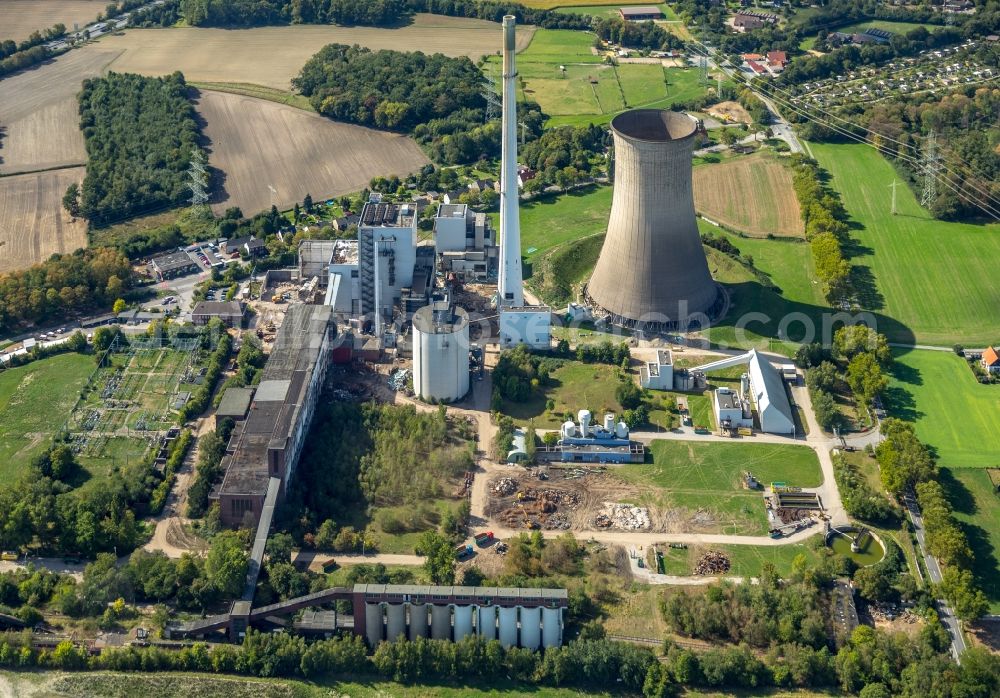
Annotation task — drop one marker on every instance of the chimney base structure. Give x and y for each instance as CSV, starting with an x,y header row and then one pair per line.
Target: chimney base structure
x,y
652,273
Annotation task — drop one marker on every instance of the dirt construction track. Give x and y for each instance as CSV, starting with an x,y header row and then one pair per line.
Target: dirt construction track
x,y
257,144
272,56
33,224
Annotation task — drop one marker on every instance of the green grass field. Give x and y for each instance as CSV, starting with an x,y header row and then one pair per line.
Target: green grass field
x,y
930,277
952,412
573,86
886,25
692,476
746,560
576,386
977,507
35,401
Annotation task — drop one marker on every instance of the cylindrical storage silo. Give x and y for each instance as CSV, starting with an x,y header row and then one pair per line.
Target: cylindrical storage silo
x,y
395,621
486,623
609,423
568,429
463,622
418,620
584,417
652,272
508,627
531,628
551,627
621,431
373,623
441,622
440,353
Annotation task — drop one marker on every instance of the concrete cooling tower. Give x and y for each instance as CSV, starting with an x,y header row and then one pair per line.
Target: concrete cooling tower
x,y
652,271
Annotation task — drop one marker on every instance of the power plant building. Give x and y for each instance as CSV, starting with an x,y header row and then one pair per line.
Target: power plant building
x,y
463,243
659,373
652,272
441,352
268,442
387,255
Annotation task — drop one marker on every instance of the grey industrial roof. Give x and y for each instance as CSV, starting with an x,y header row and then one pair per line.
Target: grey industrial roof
x,y
641,10
218,309
235,402
771,387
278,400
496,592
173,260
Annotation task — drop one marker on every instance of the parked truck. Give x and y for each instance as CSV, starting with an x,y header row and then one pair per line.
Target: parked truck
x,y
463,551
483,539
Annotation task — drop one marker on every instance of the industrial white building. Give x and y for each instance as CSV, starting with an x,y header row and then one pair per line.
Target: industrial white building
x,y
731,410
441,352
464,243
659,373
530,325
767,390
387,254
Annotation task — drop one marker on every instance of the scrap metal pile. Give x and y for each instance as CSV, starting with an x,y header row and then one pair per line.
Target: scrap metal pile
x,y
712,562
533,508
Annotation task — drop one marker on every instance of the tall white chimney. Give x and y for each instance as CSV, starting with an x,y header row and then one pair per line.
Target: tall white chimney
x,y
510,282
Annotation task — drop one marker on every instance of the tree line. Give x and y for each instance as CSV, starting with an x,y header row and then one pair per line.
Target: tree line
x,y
563,156
63,285
140,134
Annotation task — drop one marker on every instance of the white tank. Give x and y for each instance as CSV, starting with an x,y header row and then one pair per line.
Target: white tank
x,y
584,417
441,622
396,621
609,422
486,624
440,353
373,623
551,627
463,621
508,627
531,628
621,431
568,429
418,620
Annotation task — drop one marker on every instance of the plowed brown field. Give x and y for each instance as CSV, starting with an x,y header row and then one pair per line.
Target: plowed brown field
x,y
752,194
33,223
272,56
259,144
39,113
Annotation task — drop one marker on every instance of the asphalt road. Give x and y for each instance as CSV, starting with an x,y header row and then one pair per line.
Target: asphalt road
x,y
958,645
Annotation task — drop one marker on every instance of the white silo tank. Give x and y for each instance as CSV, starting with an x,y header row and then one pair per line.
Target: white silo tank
x,y
440,353
508,627
622,430
568,429
584,417
418,620
441,622
531,628
463,621
373,623
486,623
395,621
609,422
551,627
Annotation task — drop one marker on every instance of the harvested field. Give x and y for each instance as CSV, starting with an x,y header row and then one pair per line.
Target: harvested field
x,y
33,223
750,194
257,143
272,56
39,117
22,17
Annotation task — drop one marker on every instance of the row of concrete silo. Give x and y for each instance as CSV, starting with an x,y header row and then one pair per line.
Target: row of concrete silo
x,y
532,627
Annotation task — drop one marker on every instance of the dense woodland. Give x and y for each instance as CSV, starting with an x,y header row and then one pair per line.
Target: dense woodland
x,y
565,155
140,134
63,285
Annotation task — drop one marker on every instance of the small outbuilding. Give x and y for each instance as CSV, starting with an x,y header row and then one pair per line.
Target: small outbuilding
x,y
235,405
991,360
172,264
640,13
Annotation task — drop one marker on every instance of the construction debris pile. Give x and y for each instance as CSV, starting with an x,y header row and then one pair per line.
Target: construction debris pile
x,y
625,517
504,487
399,379
712,562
